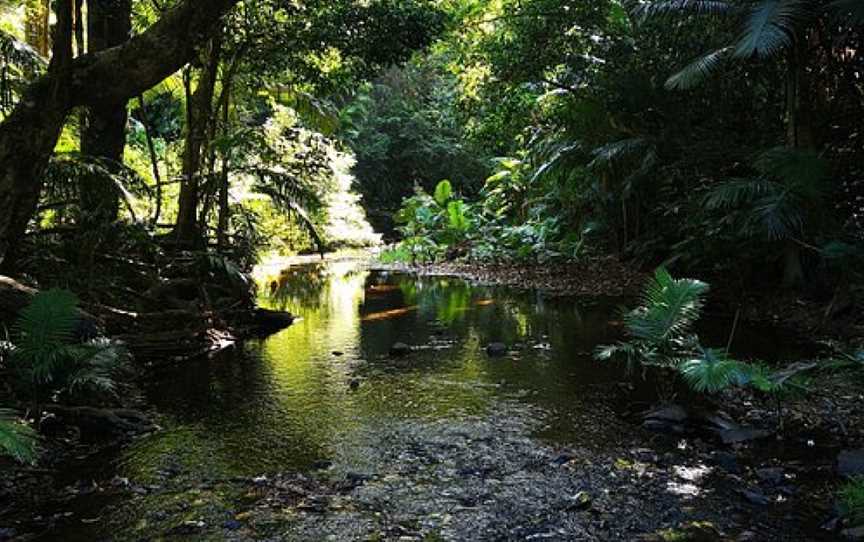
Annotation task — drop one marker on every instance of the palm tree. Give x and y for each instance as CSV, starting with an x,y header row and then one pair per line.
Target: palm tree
x,y
768,29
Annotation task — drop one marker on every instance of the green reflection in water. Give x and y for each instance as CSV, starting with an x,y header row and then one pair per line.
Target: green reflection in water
x,y
284,402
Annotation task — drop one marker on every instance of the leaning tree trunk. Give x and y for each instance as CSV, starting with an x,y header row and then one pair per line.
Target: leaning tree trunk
x,y
28,136
109,23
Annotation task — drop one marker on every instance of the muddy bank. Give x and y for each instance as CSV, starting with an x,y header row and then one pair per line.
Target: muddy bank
x,y
606,276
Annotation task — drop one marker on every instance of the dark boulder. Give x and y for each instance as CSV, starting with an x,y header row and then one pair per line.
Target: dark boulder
x,y
399,350
496,350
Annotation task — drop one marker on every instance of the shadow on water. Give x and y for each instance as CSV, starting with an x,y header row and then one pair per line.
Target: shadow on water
x,y
303,395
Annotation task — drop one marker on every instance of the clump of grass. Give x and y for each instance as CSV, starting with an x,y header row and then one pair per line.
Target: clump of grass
x,y
852,500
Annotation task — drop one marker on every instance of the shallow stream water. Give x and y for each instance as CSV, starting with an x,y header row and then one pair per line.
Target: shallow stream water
x,y
327,392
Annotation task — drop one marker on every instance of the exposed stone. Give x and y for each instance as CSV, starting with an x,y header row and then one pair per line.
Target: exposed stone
x,y
399,350
496,350
668,413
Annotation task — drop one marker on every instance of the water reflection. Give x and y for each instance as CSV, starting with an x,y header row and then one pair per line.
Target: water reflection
x,y
285,402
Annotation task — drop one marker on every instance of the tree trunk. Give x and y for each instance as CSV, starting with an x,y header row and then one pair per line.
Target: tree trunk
x,y
36,27
224,205
109,23
154,158
199,119
29,134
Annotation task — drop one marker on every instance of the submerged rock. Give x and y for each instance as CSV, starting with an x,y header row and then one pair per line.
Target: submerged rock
x,y
741,435
726,461
399,350
755,497
496,350
772,475
855,534
850,463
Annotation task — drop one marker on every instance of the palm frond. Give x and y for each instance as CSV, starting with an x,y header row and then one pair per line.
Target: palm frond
x,y
658,8
614,154
556,157
669,308
771,27
802,171
778,216
17,439
94,367
712,370
42,332
65,170
736,192
290,205
699,70
218,264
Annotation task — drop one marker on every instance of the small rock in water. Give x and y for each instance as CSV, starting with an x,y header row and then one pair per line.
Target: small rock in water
x,y
322,464
855,534
831,525
357,478
745,434
232,525
496,350
850,463
563,459
399,350
755,497
773,476
726,461
337,353
354,384
581,501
